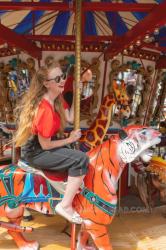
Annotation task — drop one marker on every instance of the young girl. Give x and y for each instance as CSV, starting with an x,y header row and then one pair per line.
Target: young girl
x,y
43,114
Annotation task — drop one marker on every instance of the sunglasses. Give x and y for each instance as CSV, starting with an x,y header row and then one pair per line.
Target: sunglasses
x,y
58,79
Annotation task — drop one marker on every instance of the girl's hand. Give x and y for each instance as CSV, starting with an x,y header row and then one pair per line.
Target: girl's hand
x,y
75,135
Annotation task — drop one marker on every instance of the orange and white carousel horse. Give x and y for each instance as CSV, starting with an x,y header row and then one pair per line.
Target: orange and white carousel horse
x,y
23,186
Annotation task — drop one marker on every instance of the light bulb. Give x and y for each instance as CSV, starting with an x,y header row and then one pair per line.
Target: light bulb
x,y
147,37
138,42
156,31
131,47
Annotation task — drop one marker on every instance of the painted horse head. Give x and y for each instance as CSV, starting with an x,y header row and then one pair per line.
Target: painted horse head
x,y
97,200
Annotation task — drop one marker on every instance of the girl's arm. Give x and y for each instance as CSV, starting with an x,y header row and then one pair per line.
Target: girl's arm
x,y
47,143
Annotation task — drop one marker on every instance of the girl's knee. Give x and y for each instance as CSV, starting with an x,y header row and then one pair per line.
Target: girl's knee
x,y
85,160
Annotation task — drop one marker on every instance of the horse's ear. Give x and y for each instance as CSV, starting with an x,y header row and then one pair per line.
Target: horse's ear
x,y
122,134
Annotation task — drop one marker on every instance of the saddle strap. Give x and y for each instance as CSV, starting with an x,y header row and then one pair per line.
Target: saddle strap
x,y
94,199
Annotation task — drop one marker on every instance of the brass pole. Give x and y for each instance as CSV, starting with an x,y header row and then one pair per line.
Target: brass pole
x,y
146,120
78,65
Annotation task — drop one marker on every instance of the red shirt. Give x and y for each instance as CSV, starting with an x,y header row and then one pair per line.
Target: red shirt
x,y
47,121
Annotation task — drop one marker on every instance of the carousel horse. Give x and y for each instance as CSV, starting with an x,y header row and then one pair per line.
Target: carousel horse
x,y
157,168
152,179
95,134
23,186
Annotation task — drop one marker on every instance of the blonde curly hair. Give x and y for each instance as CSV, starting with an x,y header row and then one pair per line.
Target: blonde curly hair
x,y
28,106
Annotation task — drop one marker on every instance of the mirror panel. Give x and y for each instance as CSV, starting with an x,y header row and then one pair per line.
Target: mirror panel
x,y
89,98
14,81
138,84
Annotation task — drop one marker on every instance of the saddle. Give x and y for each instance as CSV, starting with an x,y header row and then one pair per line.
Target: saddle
x,y
57,180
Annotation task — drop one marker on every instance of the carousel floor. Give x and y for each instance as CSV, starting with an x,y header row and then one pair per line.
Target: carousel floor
x,y
134,231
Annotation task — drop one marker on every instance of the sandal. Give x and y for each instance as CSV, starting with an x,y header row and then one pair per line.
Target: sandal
x,y
75,218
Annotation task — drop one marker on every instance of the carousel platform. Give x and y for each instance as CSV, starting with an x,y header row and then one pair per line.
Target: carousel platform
x,y
134,231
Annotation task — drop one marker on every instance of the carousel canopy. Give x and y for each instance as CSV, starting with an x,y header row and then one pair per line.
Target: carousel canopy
x,y
120,26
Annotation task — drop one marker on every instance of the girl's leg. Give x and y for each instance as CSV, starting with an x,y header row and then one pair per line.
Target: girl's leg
x,y
72,187
75,163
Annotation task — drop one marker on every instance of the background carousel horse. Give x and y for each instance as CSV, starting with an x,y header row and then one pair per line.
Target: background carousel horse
x,y
97,200
151,179
95,134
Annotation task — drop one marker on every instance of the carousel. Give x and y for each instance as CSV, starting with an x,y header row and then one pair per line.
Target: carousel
x,y
114,55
